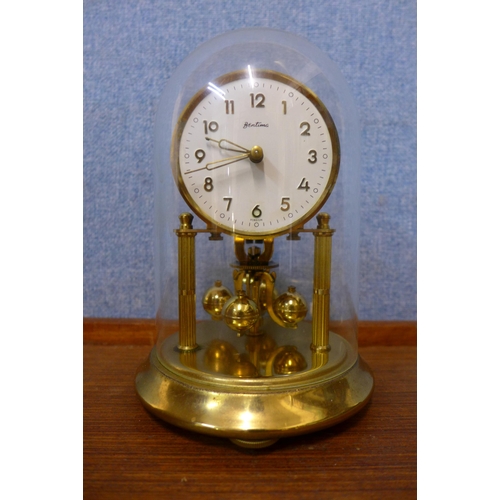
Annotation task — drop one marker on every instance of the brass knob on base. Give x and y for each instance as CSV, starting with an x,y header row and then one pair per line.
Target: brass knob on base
x,y
215,298
289,361
243,367
222,357
240,313
219,356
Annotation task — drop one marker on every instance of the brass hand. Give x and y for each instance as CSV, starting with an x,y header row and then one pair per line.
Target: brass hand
x,y
256,154
240,150
220,163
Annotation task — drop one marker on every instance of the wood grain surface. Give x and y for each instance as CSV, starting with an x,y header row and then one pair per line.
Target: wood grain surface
x,y
142,332
130,454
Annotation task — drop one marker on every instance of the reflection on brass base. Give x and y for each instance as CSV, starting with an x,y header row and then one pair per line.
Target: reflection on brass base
x,y
254,411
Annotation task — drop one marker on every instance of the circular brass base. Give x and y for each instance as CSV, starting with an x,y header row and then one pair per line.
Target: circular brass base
x,y
254,412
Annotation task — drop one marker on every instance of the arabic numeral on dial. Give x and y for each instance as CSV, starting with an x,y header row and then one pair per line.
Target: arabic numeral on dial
x,y
200,154
285,203
229,107
256,212
229,200
257,100
306,127
209,184
210,126
304,184
313,156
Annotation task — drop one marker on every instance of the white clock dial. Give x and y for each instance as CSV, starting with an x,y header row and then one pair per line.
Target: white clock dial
x,y
257,153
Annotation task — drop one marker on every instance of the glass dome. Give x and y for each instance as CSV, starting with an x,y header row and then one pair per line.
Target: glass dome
x,y
256,239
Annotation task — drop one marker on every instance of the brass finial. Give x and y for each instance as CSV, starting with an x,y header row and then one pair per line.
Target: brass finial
x,y
323,220
186,220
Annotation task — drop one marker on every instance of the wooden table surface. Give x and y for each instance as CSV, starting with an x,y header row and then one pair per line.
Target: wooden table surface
x,y
128,453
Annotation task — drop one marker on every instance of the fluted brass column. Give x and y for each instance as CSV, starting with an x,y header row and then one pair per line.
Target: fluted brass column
x,y
188,358
322,275
319,358
187,283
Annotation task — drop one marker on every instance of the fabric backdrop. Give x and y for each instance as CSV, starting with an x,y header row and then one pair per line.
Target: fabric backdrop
x,y
131,47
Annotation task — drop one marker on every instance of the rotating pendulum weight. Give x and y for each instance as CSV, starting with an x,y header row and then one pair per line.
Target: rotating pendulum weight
x,y
255,295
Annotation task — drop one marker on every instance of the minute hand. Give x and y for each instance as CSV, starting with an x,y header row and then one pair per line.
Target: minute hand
x,y
240,149
221,163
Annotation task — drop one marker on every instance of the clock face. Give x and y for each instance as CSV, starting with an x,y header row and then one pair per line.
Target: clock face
x,y
256,153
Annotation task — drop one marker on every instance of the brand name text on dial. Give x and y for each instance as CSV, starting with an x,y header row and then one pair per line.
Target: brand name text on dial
x,y
255,124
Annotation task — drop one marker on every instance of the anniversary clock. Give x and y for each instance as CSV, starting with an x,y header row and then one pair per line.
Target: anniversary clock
x,y
256,243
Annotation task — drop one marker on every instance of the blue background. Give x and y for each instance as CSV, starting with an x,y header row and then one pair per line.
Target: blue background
x,y
130,50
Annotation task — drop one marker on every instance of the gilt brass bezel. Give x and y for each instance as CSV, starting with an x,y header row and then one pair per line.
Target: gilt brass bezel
x,y
297,86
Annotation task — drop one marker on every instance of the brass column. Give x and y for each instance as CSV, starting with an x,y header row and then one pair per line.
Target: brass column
x,y
187,283
322,275
319,358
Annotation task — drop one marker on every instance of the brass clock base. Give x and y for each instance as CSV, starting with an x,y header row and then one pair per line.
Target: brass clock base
x,y
190,391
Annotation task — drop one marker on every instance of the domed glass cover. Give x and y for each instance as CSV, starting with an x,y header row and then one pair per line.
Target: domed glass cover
x,y
256,234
